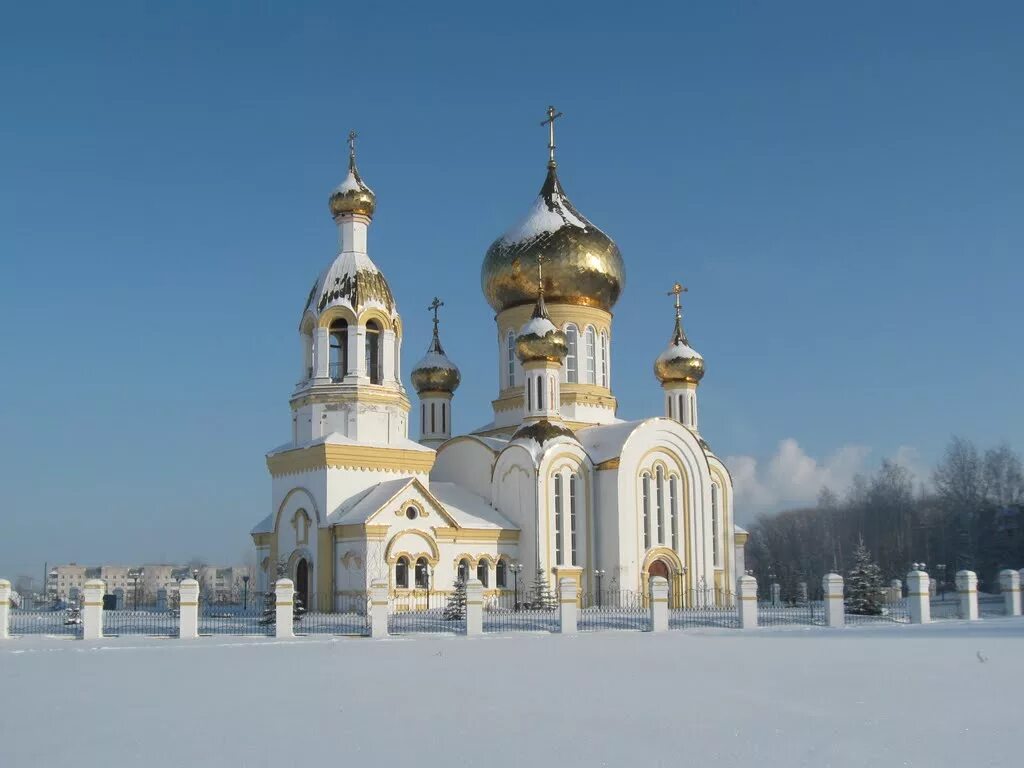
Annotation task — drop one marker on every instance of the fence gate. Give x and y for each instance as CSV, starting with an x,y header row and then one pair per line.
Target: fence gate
x,y
147,620
51,621
422,611
349,615
613,609
506,613
702,608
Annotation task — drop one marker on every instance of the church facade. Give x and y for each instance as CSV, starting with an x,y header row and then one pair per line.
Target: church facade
x,y
555,486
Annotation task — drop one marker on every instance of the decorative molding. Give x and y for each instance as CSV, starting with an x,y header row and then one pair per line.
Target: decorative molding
x,y
356,394
475,535
609,464
350,457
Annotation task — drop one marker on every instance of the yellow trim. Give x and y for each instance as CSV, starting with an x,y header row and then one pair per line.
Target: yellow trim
x,y
609,464
92,605
282,604
512,319
375,313
391,557
350,457
334,393
333,313
475,535
187,605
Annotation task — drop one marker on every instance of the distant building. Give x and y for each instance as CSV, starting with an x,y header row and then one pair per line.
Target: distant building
x,y
146,583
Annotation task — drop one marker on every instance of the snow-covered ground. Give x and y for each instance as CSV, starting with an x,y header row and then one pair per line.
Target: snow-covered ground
x,y
941,695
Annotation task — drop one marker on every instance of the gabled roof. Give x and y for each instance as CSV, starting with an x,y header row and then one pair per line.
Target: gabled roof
x,y
468,509
266,525
604,441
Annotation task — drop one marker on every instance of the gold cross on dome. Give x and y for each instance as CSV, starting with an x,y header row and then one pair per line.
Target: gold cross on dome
x,y
352,144
677,290
435,305
553,115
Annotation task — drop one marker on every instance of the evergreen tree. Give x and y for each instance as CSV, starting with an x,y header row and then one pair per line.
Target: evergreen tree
x,y
456,607
269,612
864,590
540,595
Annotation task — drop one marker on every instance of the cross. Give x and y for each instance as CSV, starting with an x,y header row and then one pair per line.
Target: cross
x,y
677,291
540,275
550,123
352,144
435,305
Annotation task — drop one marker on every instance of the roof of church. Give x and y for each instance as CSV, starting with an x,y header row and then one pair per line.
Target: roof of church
x,y
604,441
336,438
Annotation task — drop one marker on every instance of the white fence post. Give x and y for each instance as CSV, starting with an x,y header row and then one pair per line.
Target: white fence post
x,y
92,609
567,606
474,607
284,601
5,609
967,589
919,597
379,609
1009,580
188,609
659,604
801,592
776,593
895,591
748,602
835,612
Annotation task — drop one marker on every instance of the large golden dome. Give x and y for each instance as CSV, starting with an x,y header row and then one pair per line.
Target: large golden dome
x,y
582,265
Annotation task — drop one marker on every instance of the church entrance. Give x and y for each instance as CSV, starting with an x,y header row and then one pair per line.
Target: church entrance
x,y
302,581
658,568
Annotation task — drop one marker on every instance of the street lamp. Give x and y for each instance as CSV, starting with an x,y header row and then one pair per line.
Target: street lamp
x,y
245,592
942,580
515,568
135,575
599,573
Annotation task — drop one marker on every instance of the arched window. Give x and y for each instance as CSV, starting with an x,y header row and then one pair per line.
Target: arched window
x,y
572,336
673,506
510,358
716,555
646,488
572,520
659,491
373,366
591,349
604,359
558,519
307,352
482,571
433,417
463,570
402,573
339,349
422,573
501,574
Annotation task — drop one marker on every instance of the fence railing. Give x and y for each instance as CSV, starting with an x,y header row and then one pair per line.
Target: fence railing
x,y
504,613
64,621
613,609
142,622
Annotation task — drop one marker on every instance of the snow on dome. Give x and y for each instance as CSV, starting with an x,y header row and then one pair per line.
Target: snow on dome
x,y
352,279
351,184
544,216
679,350
435,360
537,326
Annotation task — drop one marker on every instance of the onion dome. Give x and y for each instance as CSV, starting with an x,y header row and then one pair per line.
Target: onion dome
x,y
435,372
680,362
352,280
542,431
352,195
583,265
539,339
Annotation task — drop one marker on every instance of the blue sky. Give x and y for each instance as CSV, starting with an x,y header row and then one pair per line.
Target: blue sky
x,y
839,186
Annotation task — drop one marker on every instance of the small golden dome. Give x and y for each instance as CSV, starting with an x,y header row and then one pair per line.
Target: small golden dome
x,y
680,362
352,195
435,372
583,265
540,339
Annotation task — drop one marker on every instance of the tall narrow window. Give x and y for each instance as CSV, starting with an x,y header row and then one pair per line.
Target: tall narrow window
x,y
591,346
572,357
482,572
659,491
373,366
604,359
463,571
433,417
501,574
510,359
715,525
422,574
646,485
673,506
339,349
572,520
529,397
681,411
693,411
423,416
444,418
558,519
402,573
540,393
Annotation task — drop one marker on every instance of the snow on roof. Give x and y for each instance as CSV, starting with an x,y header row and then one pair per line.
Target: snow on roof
x,y
537,326
468,509
336,438
604,441
351,184
494,443
676,351
359,508
543,218
266,525
354,278
435,360
737,529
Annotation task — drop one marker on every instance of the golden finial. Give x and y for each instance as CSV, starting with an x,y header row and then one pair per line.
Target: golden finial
x,y
352,148
553,115
540,276
678,289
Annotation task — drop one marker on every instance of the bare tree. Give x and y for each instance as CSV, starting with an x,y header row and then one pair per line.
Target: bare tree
x,y
1002,476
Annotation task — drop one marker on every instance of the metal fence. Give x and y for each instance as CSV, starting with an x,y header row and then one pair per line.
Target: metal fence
x,y
221,619
893,612
66,622
142,622
809,613
349,615
991,605
703,608
613,609
420,611
504,613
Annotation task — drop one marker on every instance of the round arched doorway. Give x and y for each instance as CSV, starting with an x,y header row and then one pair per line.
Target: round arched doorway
x,y
658,568
302,581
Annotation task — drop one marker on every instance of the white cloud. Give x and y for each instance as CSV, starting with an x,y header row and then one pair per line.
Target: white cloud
x,y
791,477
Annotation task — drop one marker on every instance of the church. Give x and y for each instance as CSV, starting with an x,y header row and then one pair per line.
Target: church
x,y
555,486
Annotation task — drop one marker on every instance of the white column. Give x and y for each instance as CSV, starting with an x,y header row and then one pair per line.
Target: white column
x,y
387,362
352,232
967,589
379,609
321,352
92,609
284,602
567,606
5,609
1009,581
747,602
474,607
919,597
188,609
832,586
659,604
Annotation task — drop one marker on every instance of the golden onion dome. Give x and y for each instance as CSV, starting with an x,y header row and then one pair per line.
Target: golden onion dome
x,y
539,338
352,195
680,362
583,265
435,372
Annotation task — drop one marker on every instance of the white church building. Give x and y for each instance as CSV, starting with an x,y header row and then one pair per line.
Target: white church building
x,y
556,484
